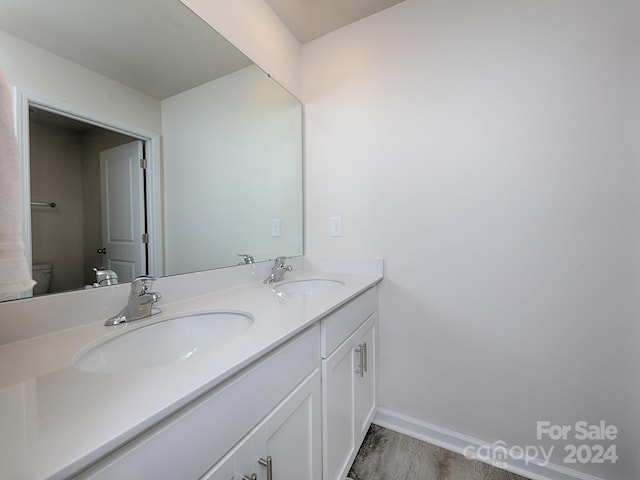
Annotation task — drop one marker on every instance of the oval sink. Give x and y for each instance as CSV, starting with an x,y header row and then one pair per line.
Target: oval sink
x,y
308,286
163,342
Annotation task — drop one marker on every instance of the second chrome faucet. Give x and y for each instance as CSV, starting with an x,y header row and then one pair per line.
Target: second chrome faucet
x,y
278,270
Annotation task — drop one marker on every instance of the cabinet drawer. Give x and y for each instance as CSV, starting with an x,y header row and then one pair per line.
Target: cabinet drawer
x,y
188,443
339,325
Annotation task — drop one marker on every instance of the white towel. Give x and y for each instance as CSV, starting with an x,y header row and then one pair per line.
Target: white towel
x,y
15,273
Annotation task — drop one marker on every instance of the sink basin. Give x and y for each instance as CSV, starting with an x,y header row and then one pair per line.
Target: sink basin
x,y
163,342
308,286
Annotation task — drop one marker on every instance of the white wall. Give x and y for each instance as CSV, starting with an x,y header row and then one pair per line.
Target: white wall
x,y
258,32
38,71
232,151
489,152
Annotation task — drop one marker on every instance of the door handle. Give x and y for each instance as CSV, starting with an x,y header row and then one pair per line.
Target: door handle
x,y
102,251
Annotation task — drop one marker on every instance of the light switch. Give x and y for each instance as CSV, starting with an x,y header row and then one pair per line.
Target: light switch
x,y
275,227
335,227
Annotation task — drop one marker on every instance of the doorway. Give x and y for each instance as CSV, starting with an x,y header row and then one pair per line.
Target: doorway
x,y
25,102
66,206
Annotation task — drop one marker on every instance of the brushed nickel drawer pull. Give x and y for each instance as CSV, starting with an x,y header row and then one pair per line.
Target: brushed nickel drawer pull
x,y
364,356
361,368
269,464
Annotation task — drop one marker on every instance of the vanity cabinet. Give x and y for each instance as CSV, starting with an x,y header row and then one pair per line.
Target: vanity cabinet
x,y
300,412
349,372
271,409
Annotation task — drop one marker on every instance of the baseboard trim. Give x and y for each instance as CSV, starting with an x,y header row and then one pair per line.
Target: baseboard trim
x,y
458,442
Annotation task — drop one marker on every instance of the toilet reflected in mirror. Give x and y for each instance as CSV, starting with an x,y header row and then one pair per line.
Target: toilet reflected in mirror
x,y
42,273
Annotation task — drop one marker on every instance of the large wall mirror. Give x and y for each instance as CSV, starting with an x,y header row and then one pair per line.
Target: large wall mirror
x,y
101,83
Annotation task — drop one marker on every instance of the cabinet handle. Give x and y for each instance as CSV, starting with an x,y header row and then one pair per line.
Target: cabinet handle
x,y
269,464
361,368
252,477
364,356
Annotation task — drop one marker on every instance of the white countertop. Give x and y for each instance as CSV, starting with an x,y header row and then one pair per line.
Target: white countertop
x,y
56,420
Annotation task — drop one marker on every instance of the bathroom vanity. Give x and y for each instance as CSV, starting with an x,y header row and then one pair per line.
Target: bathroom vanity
x,y
270,410
290,397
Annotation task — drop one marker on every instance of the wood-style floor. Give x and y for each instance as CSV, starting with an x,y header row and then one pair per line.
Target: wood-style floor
x,y
388,455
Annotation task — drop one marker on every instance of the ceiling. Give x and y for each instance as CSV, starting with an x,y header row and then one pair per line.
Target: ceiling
x,y
158,47
310,19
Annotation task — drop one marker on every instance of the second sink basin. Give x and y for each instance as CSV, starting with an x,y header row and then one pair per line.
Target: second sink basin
x,y
308,286
162,342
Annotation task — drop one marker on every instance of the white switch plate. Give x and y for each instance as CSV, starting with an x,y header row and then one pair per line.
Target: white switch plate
x,y
275,227
335,226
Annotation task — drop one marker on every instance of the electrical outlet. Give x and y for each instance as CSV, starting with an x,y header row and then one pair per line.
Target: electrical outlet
x,y
335,226
275,227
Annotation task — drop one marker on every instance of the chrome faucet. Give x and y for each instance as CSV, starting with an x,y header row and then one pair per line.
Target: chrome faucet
x,y
247,259
140,303
105,277
278,270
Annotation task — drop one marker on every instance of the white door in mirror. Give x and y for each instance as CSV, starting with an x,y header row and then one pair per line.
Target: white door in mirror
x,y
123,211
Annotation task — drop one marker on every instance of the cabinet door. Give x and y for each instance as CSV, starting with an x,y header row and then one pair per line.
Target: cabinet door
x,y
366,383
289,439
349,385
236,465
338,414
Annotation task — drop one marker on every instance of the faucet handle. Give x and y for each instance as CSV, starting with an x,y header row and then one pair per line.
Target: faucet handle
x,y
279,262
141,285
